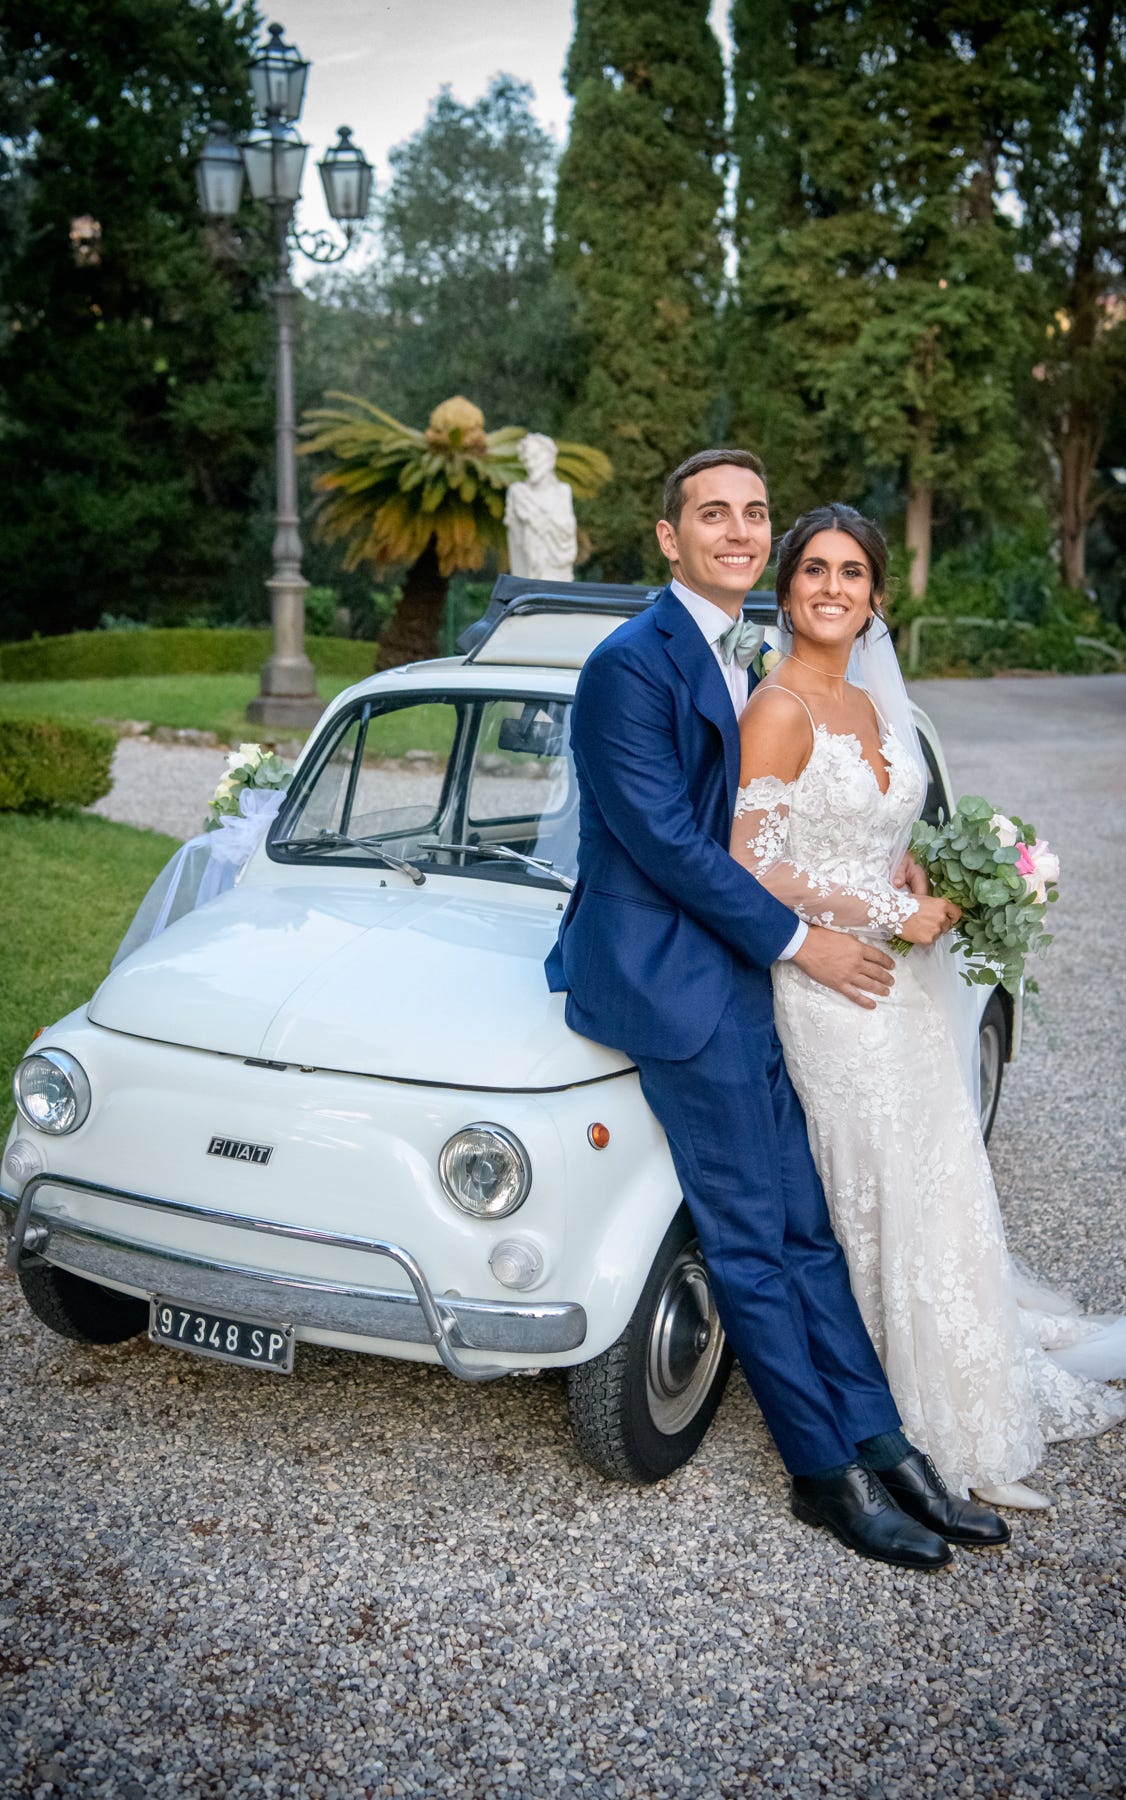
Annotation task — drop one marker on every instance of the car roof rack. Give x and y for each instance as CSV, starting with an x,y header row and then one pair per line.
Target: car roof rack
x,y
602,604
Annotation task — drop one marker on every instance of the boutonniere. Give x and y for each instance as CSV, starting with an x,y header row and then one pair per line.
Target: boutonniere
x,y
766,660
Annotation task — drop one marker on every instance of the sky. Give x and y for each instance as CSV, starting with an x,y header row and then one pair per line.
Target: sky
x,y
376,65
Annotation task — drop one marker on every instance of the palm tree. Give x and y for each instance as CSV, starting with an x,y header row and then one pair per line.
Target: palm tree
x,y
432,500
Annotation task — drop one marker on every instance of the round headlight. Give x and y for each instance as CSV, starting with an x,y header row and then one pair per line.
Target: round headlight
x,y
485,1171
52,1092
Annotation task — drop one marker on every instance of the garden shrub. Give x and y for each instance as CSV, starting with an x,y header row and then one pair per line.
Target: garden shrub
x,y
46,762
321,604
98,655
951,648
1035,622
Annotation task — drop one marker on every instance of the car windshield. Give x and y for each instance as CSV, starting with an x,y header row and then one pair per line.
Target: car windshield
x,y
450,783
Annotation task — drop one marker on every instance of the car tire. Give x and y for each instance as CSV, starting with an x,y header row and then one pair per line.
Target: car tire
x,y
991,1050
82,1310
640,1410
992,1044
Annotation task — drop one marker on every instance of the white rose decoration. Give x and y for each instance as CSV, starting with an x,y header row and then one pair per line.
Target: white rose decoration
x,y
246,756
1005,829
247,767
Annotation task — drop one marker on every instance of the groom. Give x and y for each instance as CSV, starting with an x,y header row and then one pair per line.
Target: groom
x,y
665,953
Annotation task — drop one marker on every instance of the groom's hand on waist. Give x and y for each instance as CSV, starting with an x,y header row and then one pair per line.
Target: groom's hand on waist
x,y
857,970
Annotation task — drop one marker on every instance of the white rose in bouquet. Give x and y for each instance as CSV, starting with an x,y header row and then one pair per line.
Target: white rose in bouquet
x,y
247,756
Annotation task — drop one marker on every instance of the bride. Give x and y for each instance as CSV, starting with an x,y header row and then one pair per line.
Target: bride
x,y
981,1362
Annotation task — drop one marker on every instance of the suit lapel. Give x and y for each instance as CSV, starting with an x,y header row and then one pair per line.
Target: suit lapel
x,y
693,656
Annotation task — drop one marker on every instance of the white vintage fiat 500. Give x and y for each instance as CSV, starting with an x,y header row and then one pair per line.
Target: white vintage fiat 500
x,y
338,1105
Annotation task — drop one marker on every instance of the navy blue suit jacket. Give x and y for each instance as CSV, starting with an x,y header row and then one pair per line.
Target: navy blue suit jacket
x,y
647,946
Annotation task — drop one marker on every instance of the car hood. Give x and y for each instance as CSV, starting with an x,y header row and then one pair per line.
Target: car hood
x,y
420,986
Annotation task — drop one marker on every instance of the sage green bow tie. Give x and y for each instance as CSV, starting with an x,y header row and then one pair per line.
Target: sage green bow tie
x,y
743,642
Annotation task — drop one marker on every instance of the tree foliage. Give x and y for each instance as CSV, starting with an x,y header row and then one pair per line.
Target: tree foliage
x,y
460,295
637,226
1072,187
134,405
884,314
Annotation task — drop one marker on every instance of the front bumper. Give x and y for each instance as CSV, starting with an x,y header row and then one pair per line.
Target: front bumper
x,y
452,1325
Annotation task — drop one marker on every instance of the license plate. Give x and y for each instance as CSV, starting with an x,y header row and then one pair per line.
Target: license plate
x,y
243,1341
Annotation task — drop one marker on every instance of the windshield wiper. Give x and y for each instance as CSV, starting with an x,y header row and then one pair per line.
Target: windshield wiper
x,y
336,840
506,855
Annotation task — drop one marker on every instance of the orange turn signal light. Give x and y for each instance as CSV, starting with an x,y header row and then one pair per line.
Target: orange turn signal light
x,y
598,1136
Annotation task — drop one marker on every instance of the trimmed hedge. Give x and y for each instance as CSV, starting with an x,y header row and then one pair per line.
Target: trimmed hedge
x,y
46,762
92,655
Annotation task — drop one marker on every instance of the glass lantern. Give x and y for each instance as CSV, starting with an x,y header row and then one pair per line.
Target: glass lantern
x,y
277,79
346,179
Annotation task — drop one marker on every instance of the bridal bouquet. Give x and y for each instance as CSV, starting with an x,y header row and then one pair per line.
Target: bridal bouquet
x,y
250,766
1001,875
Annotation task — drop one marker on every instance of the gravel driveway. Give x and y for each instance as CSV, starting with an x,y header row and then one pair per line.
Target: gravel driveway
x,y
372,1581
164,786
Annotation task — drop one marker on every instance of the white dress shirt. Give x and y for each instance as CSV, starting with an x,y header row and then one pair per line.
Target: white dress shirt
x,y
714,622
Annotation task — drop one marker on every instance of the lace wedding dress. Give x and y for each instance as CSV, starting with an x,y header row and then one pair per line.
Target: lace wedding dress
x,y
969,1343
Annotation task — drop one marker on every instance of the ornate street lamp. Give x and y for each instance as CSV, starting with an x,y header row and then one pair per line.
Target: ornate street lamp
x,y
272,163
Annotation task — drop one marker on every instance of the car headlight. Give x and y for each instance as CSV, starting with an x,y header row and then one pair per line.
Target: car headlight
x,y
52,1091
485,1171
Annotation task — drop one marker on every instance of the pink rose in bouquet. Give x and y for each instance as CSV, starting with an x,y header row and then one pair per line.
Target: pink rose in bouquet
x,y
1040,866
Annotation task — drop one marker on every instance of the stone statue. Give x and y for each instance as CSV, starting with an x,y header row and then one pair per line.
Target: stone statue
x,y
539,516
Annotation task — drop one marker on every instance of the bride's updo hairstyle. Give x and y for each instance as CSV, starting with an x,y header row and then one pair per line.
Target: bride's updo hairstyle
x,y
833,518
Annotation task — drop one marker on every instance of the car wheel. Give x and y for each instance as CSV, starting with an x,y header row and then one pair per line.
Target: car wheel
x,y
81,1309
992,1041
641,1409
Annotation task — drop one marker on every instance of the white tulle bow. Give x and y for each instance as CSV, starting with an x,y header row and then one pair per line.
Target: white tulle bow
x,y
203,868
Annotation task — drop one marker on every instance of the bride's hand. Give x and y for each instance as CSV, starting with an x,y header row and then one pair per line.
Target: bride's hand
x,y
911,875
933,918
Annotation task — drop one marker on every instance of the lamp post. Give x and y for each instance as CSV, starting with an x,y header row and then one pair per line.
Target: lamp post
x,y
272,162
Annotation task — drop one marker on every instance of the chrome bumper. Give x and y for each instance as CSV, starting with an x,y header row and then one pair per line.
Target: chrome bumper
x,y
420,1317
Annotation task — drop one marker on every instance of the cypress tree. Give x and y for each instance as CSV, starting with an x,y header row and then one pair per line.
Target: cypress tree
x,y
885,316
1072,185
638,235
461,296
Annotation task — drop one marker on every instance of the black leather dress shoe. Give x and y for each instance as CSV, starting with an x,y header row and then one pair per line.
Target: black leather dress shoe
x,y
856,1507
917,1487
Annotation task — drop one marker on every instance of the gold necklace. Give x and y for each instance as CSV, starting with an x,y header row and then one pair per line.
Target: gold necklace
x,y
791,657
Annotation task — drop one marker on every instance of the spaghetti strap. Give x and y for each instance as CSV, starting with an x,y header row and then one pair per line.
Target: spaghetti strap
x,y
777,688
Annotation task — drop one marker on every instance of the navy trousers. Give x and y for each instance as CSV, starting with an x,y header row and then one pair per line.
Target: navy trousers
x,y
738,1140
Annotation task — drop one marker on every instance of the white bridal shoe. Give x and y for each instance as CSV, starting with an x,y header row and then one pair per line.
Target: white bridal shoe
x,y
1013,1494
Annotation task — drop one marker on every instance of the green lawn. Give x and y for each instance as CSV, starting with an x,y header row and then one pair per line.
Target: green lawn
x,y
207,702
71,883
